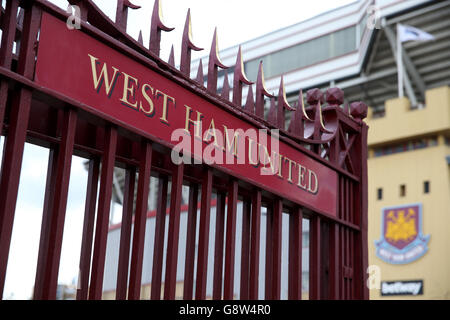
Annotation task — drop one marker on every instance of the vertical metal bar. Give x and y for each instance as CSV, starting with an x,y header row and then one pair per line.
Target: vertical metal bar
x,y
48,204
9,20
53,218
140,217
315,261
27,54
345,265
276,248
295,254
363,214
125,234
88,228
352,256
9,25
160,226
218,246
173,233
342,262
245,251
122,15
10,174
104,204
228,283
347,244
269,239
203,236
334,261
351,202
361,218
255,243
335,148
190,242
344,199
347,200
341,198
15,142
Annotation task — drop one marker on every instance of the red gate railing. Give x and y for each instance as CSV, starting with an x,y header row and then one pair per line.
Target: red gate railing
x,y
333,136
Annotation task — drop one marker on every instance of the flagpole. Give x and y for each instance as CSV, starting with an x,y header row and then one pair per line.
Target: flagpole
x,y
399,63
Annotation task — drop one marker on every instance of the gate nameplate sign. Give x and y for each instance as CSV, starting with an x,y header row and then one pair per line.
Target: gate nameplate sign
x,y
115,85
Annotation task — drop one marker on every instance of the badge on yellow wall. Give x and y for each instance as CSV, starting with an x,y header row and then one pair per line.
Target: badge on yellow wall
x,y
401,240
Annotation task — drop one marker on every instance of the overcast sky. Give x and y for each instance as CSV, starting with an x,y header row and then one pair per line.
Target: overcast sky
x,y
237,21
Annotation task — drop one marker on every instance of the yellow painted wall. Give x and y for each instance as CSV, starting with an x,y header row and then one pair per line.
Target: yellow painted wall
x,y
412,168
400,122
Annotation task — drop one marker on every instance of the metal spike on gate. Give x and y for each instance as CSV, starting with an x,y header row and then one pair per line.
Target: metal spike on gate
x,y
250,104
320,115
261,92
315,99
272,115
239,79
156,27
213,64
171,60
187,46
296,125
282,104
122,13
304,113
200,76
225,88
140,39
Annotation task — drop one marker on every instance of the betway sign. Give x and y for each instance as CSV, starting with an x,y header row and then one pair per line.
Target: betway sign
x,y
402,288
153,105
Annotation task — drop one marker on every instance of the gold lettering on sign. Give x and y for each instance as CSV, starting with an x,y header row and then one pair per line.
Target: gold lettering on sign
x,y
196,123
211,132
252,153
129,89
142,100
231,145
290,163
166,99
151,106
313,182
143,97
103,77
301,176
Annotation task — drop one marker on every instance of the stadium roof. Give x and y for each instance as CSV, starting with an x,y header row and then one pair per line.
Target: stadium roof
x,y
337,49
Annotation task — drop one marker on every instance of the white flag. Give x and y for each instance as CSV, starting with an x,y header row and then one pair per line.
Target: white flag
x,y
408,33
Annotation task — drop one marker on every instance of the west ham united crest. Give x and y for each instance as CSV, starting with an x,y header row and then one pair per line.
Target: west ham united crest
x,y
402,240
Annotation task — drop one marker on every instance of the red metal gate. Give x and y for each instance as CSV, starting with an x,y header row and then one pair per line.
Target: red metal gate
x,y
41,107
